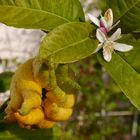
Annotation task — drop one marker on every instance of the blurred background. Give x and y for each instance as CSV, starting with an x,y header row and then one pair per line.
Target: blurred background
x,y
101,112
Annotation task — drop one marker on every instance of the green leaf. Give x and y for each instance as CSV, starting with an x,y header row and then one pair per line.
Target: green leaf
x,y
12,131
68,43
5,79
128,12
124,68
40,14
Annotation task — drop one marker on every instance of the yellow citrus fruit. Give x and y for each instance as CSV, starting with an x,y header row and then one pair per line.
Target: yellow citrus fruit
x,y
33,117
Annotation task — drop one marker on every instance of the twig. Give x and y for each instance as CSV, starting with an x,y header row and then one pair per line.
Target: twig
x,y
115,113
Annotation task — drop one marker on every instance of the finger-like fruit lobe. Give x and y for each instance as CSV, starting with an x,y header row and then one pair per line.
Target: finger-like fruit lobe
x,y
26,105
34,117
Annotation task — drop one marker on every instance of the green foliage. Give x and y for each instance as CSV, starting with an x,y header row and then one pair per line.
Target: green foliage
x,y
124,69
39,14
68,43
5,80
8,132
128,12
99,92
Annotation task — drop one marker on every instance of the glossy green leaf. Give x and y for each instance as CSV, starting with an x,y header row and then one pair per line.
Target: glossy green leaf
x,y
128,12
39,14
13,132
5,79
124,68
68,43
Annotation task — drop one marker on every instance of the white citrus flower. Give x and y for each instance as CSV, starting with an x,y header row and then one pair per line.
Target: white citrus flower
x,y
108,44
105,23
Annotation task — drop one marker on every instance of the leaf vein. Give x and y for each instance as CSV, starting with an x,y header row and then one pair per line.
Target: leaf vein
x,y
23,8
130,8
73,44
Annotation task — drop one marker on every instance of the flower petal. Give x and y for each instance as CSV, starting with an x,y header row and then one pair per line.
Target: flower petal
x,y
100,36
109,18
99,47
94,20
107,55
103,30
122,47
103,22
115,35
